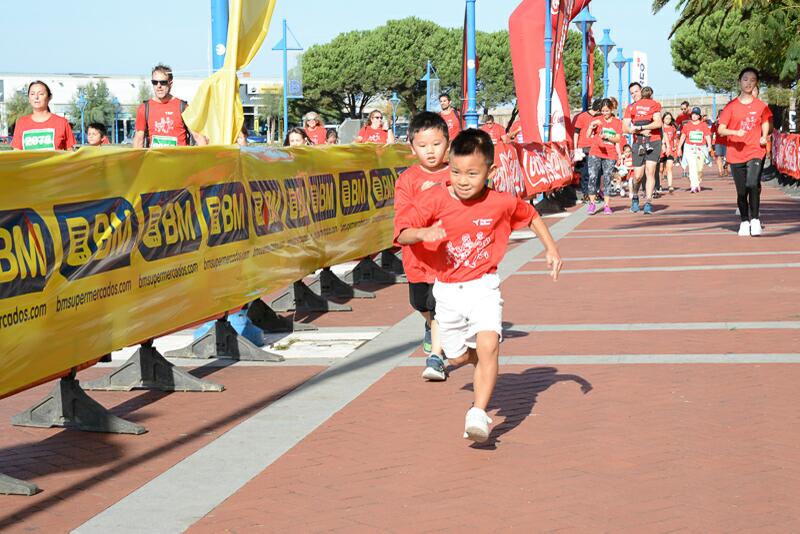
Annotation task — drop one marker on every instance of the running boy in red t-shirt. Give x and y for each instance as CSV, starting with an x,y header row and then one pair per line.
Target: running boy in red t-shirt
x,y
427,133
468,226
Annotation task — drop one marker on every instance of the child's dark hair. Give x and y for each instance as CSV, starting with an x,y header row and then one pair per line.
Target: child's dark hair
x,y
331,133
606,103
597,105
446,95
473,141
427,120
296,130
100,127
752,70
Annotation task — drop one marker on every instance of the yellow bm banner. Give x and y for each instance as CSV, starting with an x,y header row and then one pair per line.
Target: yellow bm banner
x,y
105,248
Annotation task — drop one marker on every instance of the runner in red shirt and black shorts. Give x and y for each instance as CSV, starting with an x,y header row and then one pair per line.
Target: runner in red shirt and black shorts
x,y
745,122
643,119
42,130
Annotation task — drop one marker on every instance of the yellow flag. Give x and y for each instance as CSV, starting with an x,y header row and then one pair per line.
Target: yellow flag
x,y
216,109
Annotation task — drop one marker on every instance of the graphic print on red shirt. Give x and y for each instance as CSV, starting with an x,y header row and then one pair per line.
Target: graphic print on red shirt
x,y
747,117
696,133
643,110
52,134
165,123
601,148
369,134
477,230
417,260
453,123
317,135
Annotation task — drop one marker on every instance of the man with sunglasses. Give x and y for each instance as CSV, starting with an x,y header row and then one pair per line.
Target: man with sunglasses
x,y
159,121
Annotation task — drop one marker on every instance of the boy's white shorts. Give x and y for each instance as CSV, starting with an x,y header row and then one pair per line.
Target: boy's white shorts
x,y
465,308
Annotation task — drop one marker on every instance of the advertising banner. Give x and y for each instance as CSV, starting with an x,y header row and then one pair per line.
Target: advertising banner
x,y
639,68
527,170
105,248
786,154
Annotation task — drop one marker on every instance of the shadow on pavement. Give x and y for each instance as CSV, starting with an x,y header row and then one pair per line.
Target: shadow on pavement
x,y
516,394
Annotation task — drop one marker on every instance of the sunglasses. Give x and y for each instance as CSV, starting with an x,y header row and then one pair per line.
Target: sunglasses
x,y
162,83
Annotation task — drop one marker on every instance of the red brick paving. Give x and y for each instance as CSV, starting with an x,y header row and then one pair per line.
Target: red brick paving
x,y
83,473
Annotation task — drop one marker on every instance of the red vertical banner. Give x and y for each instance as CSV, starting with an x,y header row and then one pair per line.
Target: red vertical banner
x,y
591,45
526,34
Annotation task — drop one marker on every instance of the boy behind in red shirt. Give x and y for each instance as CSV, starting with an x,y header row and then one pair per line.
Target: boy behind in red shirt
x,y
427,133
468,226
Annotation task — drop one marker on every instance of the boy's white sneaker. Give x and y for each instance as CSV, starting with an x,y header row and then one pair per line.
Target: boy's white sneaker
x,y
476,426
744,229
755,227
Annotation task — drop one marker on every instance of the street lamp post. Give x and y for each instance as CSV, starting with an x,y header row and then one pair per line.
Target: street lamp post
x,y
629,61
606,44
471,115
115,101
620,61
395,100
584,22
82,106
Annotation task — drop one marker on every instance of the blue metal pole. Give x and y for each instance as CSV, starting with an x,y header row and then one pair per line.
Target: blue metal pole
x,y
219,32
548,66
619,92
285,82
714,106
584,68
83,130
116,127
629,61
605,74
428,87
471,116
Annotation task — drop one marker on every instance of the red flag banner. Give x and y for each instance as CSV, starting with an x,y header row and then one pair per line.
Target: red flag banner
x,y
508,175
786,154
526,34
591,45
545,167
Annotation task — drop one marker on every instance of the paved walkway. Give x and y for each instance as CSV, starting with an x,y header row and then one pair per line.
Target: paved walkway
x,y
652,389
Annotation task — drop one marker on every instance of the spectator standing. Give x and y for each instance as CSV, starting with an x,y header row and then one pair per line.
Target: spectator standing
x,y
495,131
314,128
374,132
450,116
42,130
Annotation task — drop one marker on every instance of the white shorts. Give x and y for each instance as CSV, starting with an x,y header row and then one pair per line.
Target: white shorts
x,y
465,308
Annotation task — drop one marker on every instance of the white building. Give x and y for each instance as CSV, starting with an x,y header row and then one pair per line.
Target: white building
x,y
125,88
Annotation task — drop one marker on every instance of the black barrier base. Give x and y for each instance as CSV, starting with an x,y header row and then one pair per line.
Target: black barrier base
x,y
223,341
148,369
12,486
390,262
299,298
68,406
369,272
267,320
329,285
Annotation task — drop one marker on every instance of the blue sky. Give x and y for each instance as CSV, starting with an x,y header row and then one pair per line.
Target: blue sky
x,y
98,36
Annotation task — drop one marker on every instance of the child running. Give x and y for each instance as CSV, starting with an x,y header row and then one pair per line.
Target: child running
x,y
427,133
468,226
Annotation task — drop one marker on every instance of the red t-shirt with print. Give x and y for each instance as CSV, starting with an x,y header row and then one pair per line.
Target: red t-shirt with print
x,y
600,147
582,122
696,133
477,230
747,117
317,135
165,123
369,134
417,260
643,110
495,131
453,123
52,134
669,141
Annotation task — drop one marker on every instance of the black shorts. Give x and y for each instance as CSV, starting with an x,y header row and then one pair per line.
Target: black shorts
x,y
653,156
420,295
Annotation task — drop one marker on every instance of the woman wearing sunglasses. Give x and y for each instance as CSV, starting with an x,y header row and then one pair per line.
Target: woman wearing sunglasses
x,y
374,132
159,121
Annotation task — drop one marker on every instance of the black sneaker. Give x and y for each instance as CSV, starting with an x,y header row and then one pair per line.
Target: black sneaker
x,y
648,148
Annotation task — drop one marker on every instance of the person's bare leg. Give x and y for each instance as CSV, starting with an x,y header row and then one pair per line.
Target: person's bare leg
x,y
485,378
436,344
638,174
650,184
668,172
471,356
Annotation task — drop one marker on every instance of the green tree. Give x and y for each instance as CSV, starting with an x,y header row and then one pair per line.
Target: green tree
x,y
17,106
144,91
573,73
99,105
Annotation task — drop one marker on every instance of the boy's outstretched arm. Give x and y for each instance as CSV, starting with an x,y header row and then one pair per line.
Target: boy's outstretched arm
x,y
551,251
429,234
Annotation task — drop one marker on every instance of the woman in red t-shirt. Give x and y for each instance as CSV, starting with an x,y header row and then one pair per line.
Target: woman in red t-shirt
x,y
745,122
669,147
695,141
605,132
374,132
41,130
314,128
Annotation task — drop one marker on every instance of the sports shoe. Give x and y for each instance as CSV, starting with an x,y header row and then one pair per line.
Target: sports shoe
x,y
434,369
607,210
476,426
744,229
648,148
641,150
635,205
427,341
648,208
592,208
671,190
755,227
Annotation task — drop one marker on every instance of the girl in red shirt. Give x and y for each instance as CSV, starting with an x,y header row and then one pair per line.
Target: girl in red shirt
x,y
669,147
605,133
745,122
41,130
374,132
314,129
695,141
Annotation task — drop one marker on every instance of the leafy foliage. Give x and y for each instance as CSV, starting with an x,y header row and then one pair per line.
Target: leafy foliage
x,y
573,69
17,106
